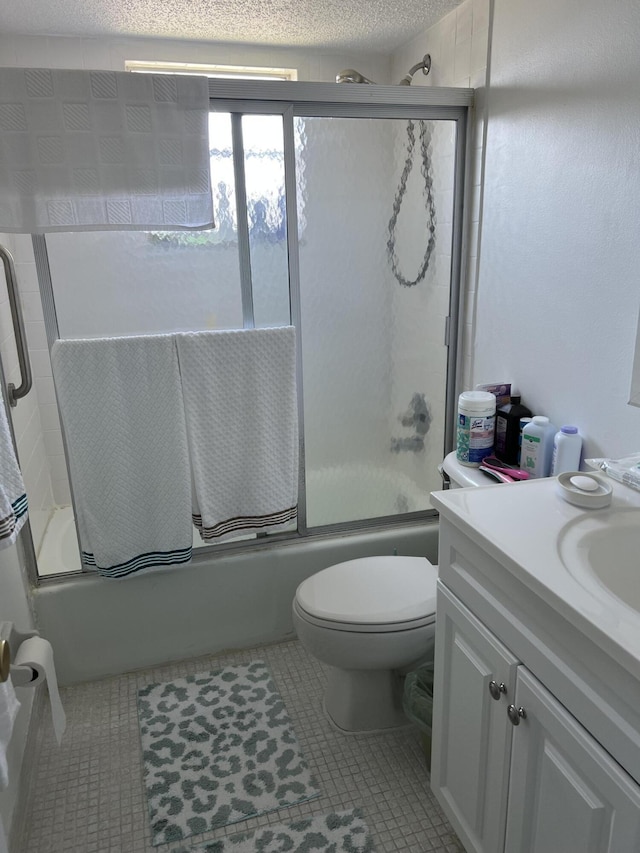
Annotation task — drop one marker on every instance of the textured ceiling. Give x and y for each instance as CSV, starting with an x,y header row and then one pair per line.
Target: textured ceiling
x,y
376,25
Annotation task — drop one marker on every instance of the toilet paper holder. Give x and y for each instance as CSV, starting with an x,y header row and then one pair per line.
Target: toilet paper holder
x,y
10,638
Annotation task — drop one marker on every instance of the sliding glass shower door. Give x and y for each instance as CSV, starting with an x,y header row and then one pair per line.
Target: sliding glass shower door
x,y
109,283
346,222
375,237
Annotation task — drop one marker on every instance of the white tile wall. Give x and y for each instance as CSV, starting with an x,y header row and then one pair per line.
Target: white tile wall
x,y
30,435
459,48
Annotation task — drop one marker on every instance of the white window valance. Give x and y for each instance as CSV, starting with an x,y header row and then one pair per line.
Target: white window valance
x,y
98,150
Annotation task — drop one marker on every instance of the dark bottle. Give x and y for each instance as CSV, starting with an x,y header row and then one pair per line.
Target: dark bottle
x,y
508,429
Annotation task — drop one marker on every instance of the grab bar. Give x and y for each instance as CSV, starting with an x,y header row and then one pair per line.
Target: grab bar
x,y
18,329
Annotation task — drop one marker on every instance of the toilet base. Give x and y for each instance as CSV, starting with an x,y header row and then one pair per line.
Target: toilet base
x,y
364,700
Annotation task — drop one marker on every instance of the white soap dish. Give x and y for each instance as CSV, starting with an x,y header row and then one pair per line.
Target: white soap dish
x,y
586,490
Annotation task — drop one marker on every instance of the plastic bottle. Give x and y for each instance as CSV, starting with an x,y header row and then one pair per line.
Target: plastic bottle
x,y
567,447
537,447
508,429
476,427
523,423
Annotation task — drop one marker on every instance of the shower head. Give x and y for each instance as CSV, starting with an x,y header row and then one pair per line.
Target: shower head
x,y
350,75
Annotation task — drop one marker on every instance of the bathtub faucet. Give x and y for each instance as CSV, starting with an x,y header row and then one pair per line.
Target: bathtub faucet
x,y
418,418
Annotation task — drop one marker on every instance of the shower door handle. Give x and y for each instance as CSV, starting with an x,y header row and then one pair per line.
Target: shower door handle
x,y
23,389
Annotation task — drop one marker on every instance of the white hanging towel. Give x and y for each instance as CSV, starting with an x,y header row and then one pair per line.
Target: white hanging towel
x,y
239,391
8,710
85,150
13,498
121,406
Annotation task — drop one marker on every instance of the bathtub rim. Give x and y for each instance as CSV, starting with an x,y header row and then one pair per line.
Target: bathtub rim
x,y
99,629
354,470
266,543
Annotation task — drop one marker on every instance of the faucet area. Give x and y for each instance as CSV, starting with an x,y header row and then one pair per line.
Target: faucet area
x,y
319,427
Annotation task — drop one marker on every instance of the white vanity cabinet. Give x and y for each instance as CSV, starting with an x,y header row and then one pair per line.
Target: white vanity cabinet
x,y
513,770
566,794
475,678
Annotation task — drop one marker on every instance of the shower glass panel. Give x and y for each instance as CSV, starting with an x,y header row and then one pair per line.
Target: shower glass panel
x,y
373,342
137,282
113,283
263,142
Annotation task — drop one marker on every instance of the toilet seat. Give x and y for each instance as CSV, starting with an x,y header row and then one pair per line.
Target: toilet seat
x,y
370,594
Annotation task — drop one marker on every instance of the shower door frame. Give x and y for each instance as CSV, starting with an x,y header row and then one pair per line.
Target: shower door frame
x,y
318,100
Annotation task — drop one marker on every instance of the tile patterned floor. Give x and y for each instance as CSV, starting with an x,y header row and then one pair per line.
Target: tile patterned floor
x,y
87,796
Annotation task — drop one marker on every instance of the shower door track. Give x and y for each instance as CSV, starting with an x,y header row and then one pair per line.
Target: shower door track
x,y
292,99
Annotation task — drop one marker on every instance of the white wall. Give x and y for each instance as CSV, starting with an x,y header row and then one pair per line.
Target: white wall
x,y
558,285
32,415
457,45
111,53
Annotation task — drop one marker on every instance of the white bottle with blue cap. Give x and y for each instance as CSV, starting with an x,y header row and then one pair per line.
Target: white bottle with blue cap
x,y
537,447
567,447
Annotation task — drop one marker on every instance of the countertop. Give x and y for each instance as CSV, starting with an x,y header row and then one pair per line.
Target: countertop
x,y
522,525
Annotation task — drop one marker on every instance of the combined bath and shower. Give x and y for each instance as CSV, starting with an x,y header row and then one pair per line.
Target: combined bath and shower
x,y
350,75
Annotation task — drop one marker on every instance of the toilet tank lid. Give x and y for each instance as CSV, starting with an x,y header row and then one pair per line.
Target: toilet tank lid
x,y
463,475
371,590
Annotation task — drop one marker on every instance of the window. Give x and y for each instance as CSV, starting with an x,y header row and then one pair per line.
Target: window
x,y
264,161
231,72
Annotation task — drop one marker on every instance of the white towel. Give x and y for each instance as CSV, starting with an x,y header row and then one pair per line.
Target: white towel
x,y
239,390
121,406
13,499
103,150
8,710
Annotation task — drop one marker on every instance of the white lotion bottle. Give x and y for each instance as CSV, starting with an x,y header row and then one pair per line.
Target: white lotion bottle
x,y
537,447
567,448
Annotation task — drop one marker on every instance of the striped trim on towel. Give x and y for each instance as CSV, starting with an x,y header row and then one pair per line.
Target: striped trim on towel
x,y
142,561
20,506
243,522
7,526
9,523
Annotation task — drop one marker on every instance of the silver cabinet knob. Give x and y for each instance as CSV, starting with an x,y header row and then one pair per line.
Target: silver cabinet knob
x,y
516,714
497,690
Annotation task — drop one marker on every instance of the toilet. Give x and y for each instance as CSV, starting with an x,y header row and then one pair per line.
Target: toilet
x,y
369,620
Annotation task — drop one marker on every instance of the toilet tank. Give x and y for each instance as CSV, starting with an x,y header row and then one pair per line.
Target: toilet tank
x,y
462,476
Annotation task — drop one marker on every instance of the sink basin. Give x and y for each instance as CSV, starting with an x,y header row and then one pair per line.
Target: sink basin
x,y
602,551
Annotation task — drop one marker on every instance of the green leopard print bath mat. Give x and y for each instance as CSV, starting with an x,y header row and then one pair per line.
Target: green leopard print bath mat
x,y
332,833
218,748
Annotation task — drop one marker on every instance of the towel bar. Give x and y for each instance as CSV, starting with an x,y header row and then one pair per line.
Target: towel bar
x,y
23,389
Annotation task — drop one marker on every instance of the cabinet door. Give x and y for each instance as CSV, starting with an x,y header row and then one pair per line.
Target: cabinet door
x,y
566,794
471,732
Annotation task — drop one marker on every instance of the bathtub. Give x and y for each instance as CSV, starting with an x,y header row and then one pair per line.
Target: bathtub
x,y
332,495
101,627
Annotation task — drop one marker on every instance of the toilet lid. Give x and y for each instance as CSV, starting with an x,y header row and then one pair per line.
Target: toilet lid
x,y
371,590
